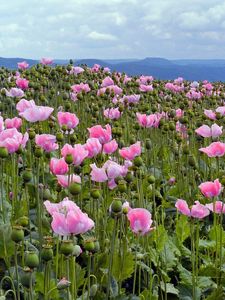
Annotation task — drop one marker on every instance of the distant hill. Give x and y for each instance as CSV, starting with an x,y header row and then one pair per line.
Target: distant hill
x,y
160,68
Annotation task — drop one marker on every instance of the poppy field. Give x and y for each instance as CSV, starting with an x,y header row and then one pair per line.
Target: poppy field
x,y
111,187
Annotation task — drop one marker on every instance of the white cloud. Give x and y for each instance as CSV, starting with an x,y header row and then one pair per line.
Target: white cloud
x,y
98,36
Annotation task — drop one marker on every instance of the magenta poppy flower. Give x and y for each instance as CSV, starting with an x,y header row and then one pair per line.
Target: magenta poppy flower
x,y
58,166
215,149
22,83
140,220
13,139
131,152
68,119
147,121
98,132
47,142
211,189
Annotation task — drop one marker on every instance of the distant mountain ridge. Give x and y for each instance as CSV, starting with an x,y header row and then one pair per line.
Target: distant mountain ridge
x,y
160,68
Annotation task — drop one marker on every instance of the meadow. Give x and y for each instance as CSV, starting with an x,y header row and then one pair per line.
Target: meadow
x,y
111,187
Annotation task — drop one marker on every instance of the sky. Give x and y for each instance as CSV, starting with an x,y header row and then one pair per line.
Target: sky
x,y
112,29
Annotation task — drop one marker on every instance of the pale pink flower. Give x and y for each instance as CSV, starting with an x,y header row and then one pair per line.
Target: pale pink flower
x,y
210,114
22,65
13,139
15,92
93,146
131,152
24,104
112,113
103,135
182,207
58,166
215,149
221,110
64,179
98,174
82,87
37,113
78,152
206,131
13,123
76,70
47,142
107,82
145,88
68,119
199,211
46,61
179,113
2,127
131,98
218,207
211,189
140,220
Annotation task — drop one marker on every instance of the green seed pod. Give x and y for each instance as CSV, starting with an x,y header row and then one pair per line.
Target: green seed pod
x,y
122,186
27,175
38,152
95,193
3,152
47,253
116,206
151,179
138,161
69,159
67,247
31,260
59,137
17,234
27,277
75,188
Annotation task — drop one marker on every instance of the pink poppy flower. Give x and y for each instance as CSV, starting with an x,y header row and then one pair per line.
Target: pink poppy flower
x,y
22,65
211,189
98,174
47,142
93,146
197,211
110,147
37,113
218,208
24,104
1,124
103,135
15,92
206,131
68,119
131,152
221,110
179,113
22,83
58,166
147,121
13,123
82,87
140,220
63,179
131,98
78,152
145,88
46,61
76,70
107,82
13,139
112,113
215,149
210,114
64,206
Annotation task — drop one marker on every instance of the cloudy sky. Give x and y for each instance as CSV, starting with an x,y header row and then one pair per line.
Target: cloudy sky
x,y
112,28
